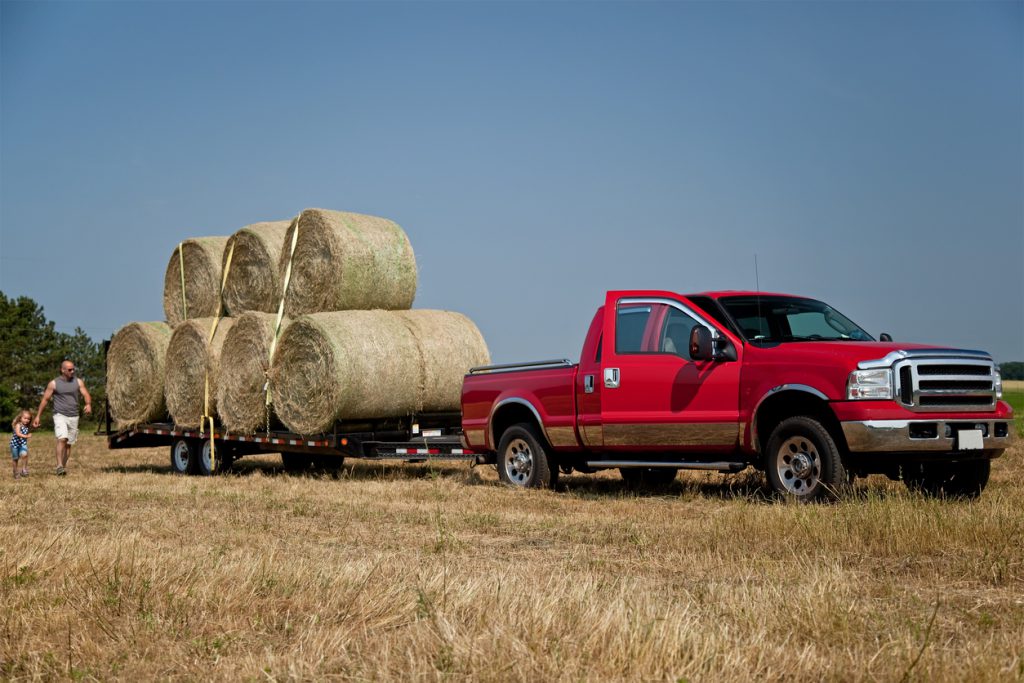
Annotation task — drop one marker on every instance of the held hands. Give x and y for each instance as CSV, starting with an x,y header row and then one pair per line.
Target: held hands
x,y
35,423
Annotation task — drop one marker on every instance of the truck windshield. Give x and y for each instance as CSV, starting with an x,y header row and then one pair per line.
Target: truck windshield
x,y
775,319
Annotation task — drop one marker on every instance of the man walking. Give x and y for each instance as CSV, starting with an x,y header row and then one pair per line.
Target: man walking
x,y
65,391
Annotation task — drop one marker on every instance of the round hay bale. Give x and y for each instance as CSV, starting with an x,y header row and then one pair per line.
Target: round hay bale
x,y
202,257
450,345
190,358
244,363
253,281
135,373
351,365
345,261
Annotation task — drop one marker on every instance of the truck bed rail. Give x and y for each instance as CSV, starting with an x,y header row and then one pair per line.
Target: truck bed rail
x,y
513,367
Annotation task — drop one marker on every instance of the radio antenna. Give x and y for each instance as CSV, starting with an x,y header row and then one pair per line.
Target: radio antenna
x,y
757,283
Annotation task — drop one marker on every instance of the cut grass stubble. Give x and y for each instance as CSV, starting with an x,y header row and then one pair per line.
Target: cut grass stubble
x,y
395,571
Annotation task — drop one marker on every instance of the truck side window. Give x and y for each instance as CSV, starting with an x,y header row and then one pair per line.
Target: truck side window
x,y
675,337
630,325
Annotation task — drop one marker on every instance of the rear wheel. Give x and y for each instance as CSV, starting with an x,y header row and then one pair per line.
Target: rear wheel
x,y
523,461
803,462
953,479
648,477
183,456
212,459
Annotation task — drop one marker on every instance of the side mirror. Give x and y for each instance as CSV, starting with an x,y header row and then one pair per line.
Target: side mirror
x,y
885,336
700,343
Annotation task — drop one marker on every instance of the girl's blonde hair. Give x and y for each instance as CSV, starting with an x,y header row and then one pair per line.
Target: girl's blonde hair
x,y
21,413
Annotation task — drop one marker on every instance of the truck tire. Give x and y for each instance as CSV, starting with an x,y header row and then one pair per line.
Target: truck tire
x,y
523,461
803,462
648,478
965,479
183,456
296,463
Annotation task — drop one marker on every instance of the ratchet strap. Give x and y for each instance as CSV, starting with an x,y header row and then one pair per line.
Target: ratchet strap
x,y
280,312
207,418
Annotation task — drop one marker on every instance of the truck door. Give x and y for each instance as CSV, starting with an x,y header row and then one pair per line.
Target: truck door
x,y
655,396
589,386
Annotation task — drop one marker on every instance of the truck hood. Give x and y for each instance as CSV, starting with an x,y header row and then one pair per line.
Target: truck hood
x,y
844,353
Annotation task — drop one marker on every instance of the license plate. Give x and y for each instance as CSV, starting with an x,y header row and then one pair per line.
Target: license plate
x,y
969,440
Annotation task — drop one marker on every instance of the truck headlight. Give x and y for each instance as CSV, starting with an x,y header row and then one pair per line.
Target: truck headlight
x,y
997,383
869,384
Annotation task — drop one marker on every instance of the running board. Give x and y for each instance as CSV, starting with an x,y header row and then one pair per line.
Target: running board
x,y
722,466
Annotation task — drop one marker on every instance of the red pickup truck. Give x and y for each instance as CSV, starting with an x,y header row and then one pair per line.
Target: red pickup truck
x,y
723,381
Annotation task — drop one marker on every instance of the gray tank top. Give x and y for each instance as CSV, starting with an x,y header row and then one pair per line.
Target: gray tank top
x,y
65,397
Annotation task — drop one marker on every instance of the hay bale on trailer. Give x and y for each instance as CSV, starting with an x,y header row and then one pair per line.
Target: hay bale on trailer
x,y
352,365
192,359
135,373
346,261
199,266
244,364
253,282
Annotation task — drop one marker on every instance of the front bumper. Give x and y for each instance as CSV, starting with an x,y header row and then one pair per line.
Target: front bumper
x,y
914,436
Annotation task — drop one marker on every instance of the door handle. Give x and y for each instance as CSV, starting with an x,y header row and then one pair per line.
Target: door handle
x,y
611,378
588,384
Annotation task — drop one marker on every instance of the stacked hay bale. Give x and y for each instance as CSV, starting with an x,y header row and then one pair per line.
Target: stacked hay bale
x,y
352,365
349,348
135,373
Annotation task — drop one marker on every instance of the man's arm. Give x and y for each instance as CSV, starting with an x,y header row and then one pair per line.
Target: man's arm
x,y
88,398
42,404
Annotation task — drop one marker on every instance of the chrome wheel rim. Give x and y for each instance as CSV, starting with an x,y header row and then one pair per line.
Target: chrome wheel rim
x,y
518,462
181,456
206,457
798,465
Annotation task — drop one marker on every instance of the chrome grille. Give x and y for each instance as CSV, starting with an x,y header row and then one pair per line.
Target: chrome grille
x,y
946,384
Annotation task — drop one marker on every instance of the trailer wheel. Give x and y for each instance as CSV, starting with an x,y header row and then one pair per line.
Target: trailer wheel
x,y
953,479
522,460
296,463
222,457
183,456
648,477
803,462
328,463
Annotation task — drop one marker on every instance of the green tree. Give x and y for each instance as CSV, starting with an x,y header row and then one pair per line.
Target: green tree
x,y
31,350
1012,370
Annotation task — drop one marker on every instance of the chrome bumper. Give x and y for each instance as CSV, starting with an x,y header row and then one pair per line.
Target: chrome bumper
x,y
893,436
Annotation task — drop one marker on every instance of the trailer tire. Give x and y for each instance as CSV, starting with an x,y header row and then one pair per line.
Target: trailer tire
x,y
803,462
648,478
183,456
296,463
965,479
222,456
523,461
327,463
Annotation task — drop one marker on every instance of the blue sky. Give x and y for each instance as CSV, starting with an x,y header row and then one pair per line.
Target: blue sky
x,y
869,154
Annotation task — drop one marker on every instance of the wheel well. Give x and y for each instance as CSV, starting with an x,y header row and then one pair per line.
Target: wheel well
x,y
512,414
788,404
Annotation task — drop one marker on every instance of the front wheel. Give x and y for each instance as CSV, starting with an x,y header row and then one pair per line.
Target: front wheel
x,y
953,479
803,462
183,456
523,461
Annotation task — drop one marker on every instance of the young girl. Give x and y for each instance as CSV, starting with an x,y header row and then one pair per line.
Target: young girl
x,y
19,442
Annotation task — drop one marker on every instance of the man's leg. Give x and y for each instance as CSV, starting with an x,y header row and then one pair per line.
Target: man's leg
x,y
62,444
67,454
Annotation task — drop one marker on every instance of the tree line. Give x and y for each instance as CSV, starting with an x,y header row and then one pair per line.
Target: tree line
x,y
31,351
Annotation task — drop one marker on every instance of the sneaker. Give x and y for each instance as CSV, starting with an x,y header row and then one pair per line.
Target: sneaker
x,y
24,473
17,475
61,472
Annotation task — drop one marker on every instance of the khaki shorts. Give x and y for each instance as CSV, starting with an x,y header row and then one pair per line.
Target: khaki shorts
x,y
65,427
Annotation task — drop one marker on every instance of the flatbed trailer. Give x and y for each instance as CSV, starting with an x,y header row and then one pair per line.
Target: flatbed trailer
x,y
421,438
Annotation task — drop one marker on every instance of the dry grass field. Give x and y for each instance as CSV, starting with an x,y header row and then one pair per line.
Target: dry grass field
x,y
122,570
